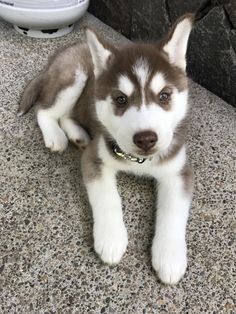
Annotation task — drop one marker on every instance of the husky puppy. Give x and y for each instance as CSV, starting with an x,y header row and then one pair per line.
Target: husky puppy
x,y
126,108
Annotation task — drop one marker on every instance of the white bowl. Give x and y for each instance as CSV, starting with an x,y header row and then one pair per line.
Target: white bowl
x,y
43,23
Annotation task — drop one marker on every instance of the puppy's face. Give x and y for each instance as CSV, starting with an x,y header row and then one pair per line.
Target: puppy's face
x,y
141,91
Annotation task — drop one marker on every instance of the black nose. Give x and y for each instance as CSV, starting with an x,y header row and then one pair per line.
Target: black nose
x,y
145,140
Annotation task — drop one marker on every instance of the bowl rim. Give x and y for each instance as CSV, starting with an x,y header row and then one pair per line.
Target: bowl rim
x,y
12,8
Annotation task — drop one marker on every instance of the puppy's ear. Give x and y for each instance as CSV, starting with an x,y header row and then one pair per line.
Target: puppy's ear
x,y
101,51
175,43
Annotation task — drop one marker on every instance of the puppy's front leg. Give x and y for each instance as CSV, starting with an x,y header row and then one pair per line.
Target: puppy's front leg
x,y
110,235
169,253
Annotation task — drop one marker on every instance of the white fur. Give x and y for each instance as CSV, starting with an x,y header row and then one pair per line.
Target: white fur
x,y
73,131
177,45
169,248
142,71
179,107
99,53
53,135
150,117
157,83
110,235
125,85
169,257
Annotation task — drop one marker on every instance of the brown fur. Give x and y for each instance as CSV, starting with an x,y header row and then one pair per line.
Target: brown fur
x,y
187,175
91,163
57,75
62,66
31,94
60,73
123,64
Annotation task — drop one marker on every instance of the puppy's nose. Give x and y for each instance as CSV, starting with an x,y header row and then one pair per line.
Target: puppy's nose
x,y
145,140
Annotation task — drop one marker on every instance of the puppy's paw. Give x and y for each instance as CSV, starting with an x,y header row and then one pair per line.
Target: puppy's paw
x,y
81,143
76,134
56,140
110,242
169,259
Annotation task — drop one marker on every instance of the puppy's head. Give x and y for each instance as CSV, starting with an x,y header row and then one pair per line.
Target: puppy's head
x,y
141,90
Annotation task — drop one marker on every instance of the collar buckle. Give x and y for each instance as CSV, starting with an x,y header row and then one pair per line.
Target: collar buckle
x,y
116,149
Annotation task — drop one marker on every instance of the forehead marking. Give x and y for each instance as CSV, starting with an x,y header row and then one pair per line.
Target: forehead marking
x,y
157,83
141,70
125,85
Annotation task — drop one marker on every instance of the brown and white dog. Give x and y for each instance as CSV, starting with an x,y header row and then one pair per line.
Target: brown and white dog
x,y
132,103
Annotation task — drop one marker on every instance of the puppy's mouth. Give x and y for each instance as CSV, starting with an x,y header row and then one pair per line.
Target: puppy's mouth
x,y
146,154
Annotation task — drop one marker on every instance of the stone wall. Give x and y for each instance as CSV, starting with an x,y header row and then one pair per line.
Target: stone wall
x,y
212,46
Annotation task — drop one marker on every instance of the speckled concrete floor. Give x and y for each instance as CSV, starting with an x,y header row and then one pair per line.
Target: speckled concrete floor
x,y
47,262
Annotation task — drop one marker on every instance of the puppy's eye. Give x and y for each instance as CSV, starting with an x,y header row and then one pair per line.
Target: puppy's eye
x,y
121,100
164,96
